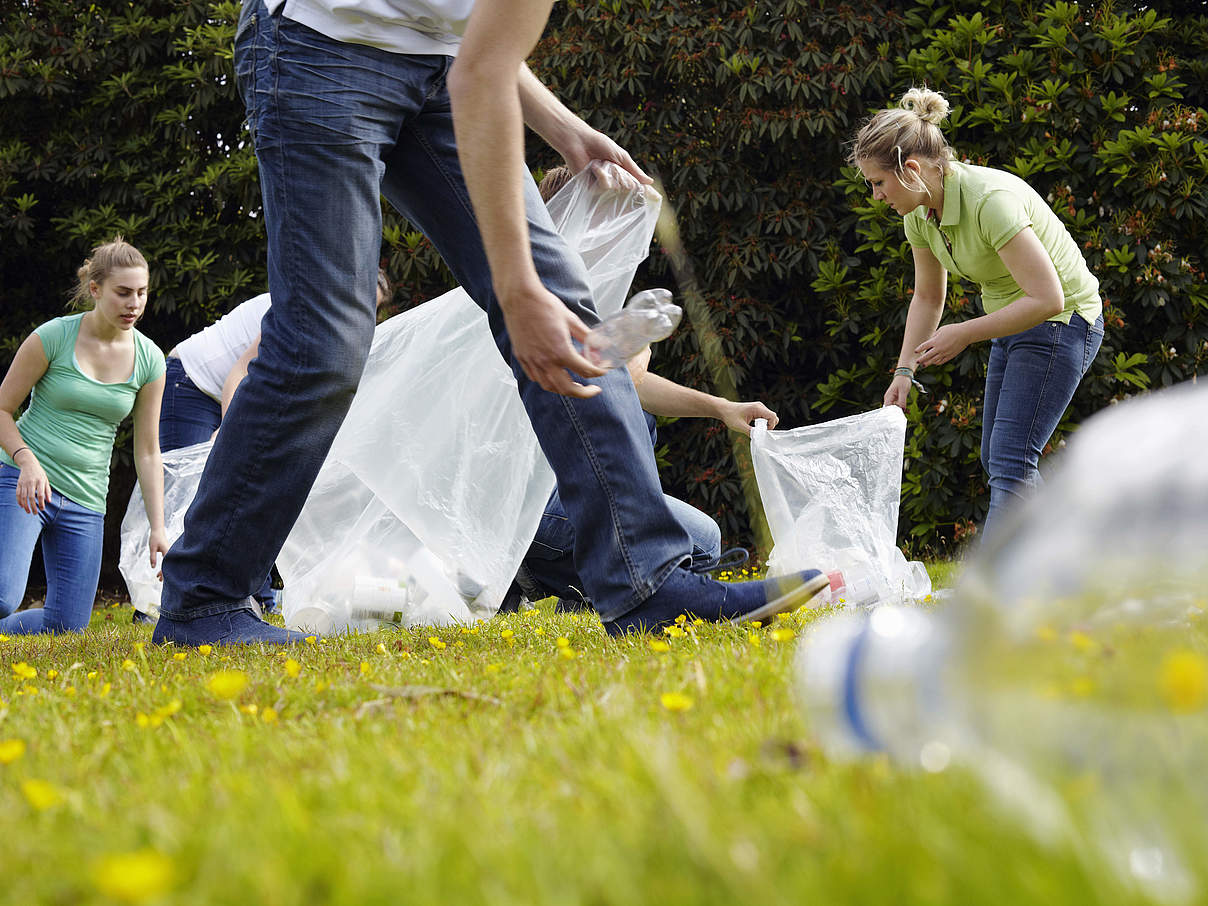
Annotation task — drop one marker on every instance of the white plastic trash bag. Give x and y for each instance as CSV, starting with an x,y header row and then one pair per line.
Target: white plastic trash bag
x,y
435,484
182,470
831,493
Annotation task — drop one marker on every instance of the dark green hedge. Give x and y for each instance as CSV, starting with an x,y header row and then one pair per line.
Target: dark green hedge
x,y
124,117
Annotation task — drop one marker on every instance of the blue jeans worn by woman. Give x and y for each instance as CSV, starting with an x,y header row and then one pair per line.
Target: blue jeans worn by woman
x,y
336,127
71,552
1030,380
189,416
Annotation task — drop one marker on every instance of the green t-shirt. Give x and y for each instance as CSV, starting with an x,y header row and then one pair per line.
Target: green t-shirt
x,y
984,209
72,419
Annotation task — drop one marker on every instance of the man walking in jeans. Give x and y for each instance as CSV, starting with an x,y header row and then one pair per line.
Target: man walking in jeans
x,y
347,101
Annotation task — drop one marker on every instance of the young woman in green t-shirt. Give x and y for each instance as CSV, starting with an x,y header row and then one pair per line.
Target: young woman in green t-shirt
x,y
84,374
1043,314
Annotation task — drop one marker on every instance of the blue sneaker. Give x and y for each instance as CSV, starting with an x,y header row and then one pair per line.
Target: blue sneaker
x,y
235,627
699,596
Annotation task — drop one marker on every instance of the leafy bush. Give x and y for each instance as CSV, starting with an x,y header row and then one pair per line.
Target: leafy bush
x,y
127,119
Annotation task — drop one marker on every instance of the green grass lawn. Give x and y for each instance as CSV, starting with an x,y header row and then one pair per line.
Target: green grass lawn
x,y
525,760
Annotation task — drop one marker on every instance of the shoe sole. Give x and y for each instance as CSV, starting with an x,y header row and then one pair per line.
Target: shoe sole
x,y
803,594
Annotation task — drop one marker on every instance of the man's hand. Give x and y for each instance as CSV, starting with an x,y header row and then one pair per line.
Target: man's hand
x,y
541,329
738,416
587,145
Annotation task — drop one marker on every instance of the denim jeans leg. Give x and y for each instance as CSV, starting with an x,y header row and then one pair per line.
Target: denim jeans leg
x,y
19,532
322,114
71,551
626,539
1036,372
186,416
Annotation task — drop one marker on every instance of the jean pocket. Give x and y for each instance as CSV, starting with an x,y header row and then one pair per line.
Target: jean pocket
x,y
247,57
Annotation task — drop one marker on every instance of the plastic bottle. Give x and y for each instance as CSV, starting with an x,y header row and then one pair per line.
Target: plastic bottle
x,y
647,317
1069,670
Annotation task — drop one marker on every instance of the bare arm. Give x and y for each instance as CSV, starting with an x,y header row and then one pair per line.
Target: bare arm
x,y
486,85
148,464
660,396
29,364
237,373
1032,268
926,309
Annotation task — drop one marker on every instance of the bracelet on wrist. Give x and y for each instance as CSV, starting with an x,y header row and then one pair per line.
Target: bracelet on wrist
x,y
13,455
903,370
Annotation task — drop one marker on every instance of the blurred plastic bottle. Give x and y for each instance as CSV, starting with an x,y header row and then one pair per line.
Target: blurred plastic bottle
x,y
647,317
1069,671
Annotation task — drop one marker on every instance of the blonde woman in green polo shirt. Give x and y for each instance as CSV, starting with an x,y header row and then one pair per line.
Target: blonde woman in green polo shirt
x,y
84,374
1043,316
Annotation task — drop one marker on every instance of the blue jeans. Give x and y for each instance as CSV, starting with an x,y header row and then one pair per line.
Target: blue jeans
x,y
188,416
1030,380
71,552
336,126
550,562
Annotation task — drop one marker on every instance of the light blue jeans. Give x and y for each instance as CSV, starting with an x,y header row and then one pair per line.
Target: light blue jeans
x,y
71,552
1030,379
336,126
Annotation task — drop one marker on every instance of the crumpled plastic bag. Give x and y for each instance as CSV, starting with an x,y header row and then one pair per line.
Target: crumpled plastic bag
x,y
182,471
831,494
435,484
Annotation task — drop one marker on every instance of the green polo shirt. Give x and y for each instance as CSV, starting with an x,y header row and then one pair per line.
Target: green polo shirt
x,y
72,419
984,209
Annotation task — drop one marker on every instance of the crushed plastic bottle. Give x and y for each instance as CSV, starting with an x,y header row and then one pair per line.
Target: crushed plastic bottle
x,y
649,316
1069,670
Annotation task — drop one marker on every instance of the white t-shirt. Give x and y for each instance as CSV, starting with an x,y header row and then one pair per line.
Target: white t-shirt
x,y
400,26
208,355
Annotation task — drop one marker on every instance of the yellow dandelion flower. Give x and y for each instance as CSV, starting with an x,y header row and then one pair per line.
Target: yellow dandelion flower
x,y
249,708
659,645
562,641
135,876
1046,633
179,656
459,644
436,643
1083,642
29,690
142,719
675,701
1183,679
41,794
493,668
674,632
568,653
320,686
292,667
757,623
753,639
105,690
127,664
92,674
24,671
507,635
1082,686
227,684
3,638
538,631
269,715
366,668
51,674
312,640
70,690
681,619
381,649
11,750
782,634
204,649
139,646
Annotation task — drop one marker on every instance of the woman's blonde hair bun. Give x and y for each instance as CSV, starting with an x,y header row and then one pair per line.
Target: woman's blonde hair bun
x,y
929,106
